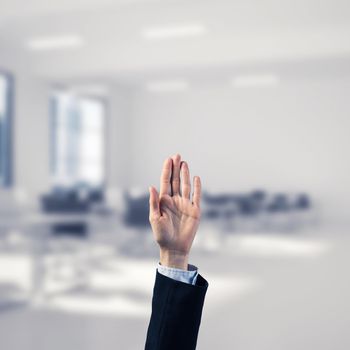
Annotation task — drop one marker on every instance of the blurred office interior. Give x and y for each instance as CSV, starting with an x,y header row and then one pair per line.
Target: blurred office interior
x,y
94,95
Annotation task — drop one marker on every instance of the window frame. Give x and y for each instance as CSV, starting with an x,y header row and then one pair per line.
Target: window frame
x,y
6,178
52,124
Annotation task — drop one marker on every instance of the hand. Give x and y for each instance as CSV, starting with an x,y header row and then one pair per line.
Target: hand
x,y
174,217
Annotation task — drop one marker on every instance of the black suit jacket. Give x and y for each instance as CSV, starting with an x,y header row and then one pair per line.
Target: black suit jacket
x,y
176,314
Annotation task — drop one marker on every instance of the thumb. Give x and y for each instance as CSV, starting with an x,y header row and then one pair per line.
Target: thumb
x,y
154,211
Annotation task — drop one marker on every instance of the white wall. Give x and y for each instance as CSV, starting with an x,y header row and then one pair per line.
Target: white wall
x,y
31,135
30,128
119,138
294,137
31,138
288,138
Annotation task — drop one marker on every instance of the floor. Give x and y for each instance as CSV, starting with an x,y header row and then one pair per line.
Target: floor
x,y
267,291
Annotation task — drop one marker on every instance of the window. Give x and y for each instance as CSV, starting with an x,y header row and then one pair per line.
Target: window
x,y
5,128
77,134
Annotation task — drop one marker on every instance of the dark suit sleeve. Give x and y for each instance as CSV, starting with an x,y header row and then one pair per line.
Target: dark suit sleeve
x,y
176,314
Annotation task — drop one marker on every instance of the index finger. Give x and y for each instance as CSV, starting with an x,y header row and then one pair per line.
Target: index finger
x,y
197,191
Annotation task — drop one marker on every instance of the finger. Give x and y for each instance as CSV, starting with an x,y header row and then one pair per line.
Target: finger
x,y
185,180
175,179
197,191
154,211
165,187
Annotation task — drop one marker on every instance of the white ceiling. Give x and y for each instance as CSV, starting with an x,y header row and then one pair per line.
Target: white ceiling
x,y
240,34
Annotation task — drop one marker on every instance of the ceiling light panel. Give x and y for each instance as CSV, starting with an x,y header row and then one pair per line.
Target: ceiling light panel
x,y
179,31
55,43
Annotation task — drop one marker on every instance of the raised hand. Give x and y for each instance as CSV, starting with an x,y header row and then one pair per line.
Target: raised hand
x,y
174,216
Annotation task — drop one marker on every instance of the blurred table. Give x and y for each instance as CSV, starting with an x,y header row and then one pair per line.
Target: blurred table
x,y
36,229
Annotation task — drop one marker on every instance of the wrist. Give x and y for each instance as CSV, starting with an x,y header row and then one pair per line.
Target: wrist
x,y
173,258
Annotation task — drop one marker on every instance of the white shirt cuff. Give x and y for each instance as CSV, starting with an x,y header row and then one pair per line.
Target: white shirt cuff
x,y
189,276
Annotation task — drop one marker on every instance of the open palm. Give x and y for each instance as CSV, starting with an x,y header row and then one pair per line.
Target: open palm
x,y
174,217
